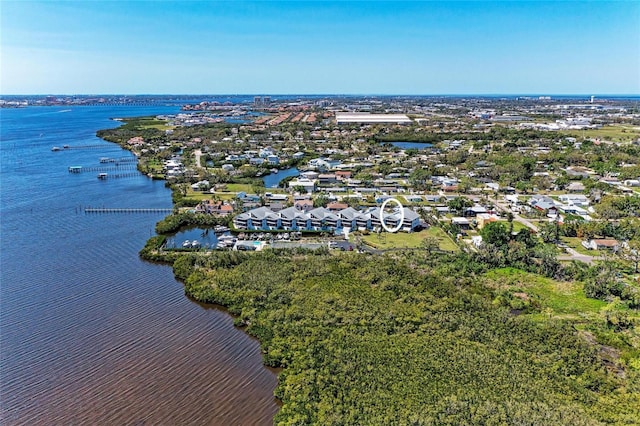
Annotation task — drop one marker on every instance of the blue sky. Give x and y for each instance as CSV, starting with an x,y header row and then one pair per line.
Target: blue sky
x,y
419,47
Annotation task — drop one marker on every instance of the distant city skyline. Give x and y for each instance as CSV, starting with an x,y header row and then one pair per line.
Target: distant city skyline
x,y
381,48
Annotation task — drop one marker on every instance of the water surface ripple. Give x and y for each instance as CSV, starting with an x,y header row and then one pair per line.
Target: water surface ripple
x,y
90,334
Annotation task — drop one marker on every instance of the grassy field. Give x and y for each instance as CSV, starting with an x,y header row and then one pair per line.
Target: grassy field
x,y
517,226
410,240
576,244
161,125
566,299
239,187
149,123
198,195
615,133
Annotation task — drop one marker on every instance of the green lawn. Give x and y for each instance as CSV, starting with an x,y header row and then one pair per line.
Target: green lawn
x,y
517,226
239,187
160,126
576,244
198,195
385,240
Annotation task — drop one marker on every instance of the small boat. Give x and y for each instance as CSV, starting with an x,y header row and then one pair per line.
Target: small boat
x,y
218,229
195,244
274,171
65,146
56,148
104,160
102,176
186,244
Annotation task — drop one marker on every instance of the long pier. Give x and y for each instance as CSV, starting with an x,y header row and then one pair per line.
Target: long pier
x,y
119,160
124,210
104,176
116,168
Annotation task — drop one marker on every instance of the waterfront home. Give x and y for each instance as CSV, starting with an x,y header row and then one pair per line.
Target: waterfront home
x,y
322,219
259,218
214,207
308,185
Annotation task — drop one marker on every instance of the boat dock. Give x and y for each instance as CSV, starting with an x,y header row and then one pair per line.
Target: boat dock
x,y
116,168
118,160
105,176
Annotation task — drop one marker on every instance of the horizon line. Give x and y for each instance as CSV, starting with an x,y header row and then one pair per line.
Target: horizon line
x,y
327,94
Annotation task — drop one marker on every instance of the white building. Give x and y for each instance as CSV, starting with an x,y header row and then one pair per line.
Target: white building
x,y
365,118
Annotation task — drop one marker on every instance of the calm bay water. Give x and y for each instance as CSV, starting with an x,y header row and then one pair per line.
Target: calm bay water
x,y
273,180
90,334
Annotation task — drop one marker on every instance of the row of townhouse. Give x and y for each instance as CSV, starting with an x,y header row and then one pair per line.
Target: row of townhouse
x,y
323,219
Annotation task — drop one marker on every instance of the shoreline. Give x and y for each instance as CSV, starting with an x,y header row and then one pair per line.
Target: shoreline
x,y
168,259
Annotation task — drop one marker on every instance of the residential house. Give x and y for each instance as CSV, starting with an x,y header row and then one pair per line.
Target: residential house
x,y
308,184
343,174
483,219
602,244
574,199
462,222
303,205
543,203
336,206
322,219
327,179
214,207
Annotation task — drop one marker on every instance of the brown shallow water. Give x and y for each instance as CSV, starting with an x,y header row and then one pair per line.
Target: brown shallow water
x,y
89,333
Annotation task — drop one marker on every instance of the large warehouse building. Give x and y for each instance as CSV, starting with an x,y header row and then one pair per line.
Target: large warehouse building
x,y
365,118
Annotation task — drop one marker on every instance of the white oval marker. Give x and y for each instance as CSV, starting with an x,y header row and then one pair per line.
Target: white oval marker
x,y
384,225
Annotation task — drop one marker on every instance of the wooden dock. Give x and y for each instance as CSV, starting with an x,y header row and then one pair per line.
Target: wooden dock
x,y
105,176
104,160
103,169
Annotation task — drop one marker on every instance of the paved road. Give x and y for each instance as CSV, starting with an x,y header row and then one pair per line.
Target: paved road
x,y
198,154
574,255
